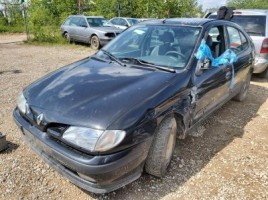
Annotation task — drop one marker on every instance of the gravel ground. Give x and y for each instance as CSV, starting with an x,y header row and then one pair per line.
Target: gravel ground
x,y
12,37
226,158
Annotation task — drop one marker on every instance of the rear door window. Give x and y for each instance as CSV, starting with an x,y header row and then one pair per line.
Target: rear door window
x,y
83,22
237,41
75,21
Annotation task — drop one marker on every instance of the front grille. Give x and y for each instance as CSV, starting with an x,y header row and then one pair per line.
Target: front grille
x,y
56,130
80,153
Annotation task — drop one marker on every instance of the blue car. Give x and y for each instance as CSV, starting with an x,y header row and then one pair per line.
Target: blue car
x,y
104,120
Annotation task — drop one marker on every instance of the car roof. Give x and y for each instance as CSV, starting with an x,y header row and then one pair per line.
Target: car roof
x,y
86,16
179,21
124,18
248,12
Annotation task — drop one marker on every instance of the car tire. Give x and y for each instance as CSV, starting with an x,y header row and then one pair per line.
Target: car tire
x,y
244,89
264,74
162,148
67,37
94,42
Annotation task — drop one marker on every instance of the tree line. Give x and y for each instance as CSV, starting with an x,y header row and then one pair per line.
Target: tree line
x,y
45,16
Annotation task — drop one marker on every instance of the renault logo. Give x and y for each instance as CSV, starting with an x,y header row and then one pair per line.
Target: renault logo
x,y
40,118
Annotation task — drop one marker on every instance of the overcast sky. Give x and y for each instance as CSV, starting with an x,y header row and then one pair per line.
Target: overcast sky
x,y
211,3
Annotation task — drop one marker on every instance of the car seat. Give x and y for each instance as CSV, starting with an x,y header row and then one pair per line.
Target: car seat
x,y
214,46
167,39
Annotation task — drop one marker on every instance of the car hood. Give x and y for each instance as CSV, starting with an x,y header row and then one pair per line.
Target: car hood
x,y
94,93
107,29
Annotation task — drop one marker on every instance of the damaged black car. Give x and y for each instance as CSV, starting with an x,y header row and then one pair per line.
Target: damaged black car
x,y
104,120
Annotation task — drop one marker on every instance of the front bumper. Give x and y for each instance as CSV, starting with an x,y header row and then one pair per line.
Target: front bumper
x,y
104,41
105,172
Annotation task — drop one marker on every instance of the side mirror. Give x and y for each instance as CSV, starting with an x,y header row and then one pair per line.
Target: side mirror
x,y
201,66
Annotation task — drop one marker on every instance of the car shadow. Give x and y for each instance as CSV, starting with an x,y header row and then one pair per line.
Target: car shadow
x,y
15,71
255,78
194,153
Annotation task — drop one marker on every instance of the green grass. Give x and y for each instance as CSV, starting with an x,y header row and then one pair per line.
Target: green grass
x,y
11,29
15,27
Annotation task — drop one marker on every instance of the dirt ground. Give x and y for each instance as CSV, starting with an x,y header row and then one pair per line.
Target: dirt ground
x,y
227,157
6,38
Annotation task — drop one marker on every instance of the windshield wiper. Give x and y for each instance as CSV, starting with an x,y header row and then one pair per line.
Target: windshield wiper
x,y
112,57
146,63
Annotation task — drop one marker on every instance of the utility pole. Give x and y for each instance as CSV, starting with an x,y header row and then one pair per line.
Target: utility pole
x,y
80,6
119,8
148,8
25,16
26,21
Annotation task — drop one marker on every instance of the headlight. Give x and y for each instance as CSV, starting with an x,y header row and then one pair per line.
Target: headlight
x,y
93,140
22,103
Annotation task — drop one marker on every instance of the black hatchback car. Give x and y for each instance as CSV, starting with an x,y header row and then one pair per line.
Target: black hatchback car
x,y
105,119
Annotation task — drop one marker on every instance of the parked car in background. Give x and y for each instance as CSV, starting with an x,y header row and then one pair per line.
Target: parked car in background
x,y
255,23
145,19
105,119
123,22
94,30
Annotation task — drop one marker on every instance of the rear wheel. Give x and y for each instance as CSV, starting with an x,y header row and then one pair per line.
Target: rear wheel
x,y
67,37
95,42
162,148
244,89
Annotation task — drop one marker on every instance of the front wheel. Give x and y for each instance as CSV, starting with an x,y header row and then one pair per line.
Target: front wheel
x,y
162,148
95,42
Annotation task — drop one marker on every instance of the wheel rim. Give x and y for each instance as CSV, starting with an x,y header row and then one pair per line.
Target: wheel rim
x,y
170,143
67,37
94,42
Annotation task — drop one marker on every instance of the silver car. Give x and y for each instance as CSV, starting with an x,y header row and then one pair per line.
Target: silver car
x,y
255,23
94,30
123,22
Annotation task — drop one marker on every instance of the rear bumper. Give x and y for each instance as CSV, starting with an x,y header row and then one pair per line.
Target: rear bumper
x,y
260,65
101,174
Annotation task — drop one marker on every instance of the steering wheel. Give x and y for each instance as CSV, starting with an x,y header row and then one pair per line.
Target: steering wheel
x,y
177,54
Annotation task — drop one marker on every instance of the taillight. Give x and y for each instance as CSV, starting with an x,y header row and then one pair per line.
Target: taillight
x,y
264,46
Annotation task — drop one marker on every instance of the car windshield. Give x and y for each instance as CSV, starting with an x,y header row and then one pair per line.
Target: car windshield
x,y
98,22
132,21
154,45
254,25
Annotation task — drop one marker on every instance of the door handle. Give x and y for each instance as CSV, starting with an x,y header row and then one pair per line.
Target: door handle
x,y
228,75
227,69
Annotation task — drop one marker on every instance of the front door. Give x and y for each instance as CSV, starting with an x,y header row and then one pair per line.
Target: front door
x,y
211,87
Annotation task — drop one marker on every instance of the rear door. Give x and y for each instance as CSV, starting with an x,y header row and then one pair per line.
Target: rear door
x,y
74,24
240,44
82,30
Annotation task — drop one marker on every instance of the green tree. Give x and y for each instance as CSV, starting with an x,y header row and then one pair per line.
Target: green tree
x,y
248,4
148,8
